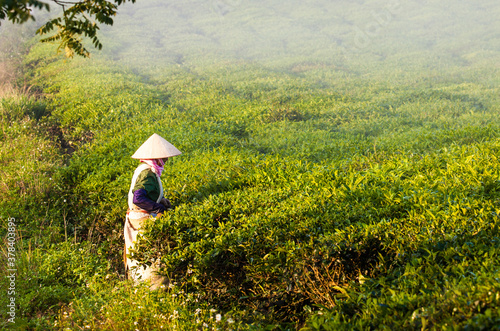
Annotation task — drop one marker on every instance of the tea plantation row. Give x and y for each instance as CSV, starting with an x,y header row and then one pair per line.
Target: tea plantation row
x,y
333,203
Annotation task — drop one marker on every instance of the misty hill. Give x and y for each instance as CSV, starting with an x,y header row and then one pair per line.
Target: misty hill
x,y
433,32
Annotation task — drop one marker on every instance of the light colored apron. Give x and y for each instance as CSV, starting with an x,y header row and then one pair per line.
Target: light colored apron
x,y
133,224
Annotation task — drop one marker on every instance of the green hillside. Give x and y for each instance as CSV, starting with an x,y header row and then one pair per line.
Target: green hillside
x,y
336,174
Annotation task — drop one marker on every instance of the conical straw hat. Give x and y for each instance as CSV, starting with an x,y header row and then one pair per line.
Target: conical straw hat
x,y
156,148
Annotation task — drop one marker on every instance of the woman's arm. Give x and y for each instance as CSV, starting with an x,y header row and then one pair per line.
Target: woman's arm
x,y
141,200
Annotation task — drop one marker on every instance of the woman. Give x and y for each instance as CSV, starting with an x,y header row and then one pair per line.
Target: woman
x,y
145,200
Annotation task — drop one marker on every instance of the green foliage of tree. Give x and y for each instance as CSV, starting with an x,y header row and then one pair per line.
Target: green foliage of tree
x,y
79,19
20,11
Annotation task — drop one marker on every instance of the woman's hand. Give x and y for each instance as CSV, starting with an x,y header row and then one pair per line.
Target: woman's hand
x,y
166,203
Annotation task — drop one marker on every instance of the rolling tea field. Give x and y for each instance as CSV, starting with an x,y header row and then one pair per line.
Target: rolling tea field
x,y
312,195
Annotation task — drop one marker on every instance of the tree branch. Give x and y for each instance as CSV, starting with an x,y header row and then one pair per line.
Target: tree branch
x,y
80,18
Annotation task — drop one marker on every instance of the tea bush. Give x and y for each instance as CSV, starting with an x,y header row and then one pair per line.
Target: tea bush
x,y
29,163
307,221
47,279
